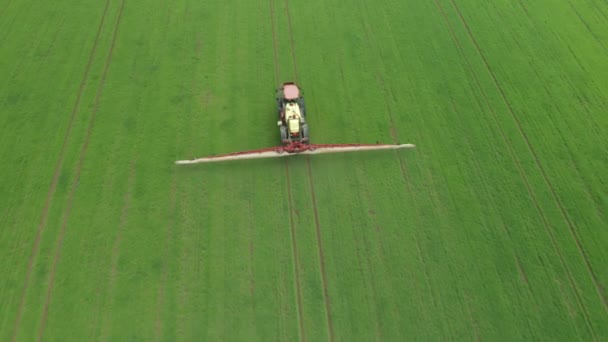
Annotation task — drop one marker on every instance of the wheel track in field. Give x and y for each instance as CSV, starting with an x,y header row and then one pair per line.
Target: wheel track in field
x,y
291,41
521,172
326,299
294,244
56,173
76,181
320,251
275,44
548,184
294,247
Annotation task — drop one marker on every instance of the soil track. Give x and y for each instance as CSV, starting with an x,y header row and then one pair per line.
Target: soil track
x,y
312,193
275,44
289,195
565,216
56,172
74,186
293,52
321,254
294,246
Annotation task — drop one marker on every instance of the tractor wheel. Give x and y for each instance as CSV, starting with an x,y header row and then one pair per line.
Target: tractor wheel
x,y
302,107
279,108
283,133
305,136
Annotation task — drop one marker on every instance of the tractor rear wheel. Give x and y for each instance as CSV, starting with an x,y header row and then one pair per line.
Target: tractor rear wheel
x,y
305,136
302,107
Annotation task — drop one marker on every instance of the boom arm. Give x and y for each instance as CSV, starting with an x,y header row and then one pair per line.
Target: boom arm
x,y
294,148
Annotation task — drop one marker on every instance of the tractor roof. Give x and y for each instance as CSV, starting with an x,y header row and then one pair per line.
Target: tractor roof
x,y
291,91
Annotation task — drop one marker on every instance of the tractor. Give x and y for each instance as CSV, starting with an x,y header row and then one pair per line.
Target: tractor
x,y
292,114
294,134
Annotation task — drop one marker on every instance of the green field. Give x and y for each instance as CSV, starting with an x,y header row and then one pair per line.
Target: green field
x,y
494,227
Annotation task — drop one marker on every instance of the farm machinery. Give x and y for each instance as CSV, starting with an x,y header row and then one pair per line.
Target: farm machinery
x,y
291,110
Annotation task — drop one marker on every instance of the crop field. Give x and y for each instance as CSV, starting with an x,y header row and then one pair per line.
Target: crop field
x,y
494,227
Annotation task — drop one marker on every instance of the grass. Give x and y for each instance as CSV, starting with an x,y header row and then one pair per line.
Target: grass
x,y
492,228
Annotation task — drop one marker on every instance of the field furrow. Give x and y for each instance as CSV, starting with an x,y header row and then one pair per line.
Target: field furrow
x,y
296,255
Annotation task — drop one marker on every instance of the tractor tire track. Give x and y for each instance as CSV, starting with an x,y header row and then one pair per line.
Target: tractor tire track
x,y
549,185
294,244
275,44
321,253
294,248
522,174
326,298
56,173
75,183
291,41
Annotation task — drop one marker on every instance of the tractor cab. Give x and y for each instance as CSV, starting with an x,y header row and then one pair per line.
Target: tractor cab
x,y
291,91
